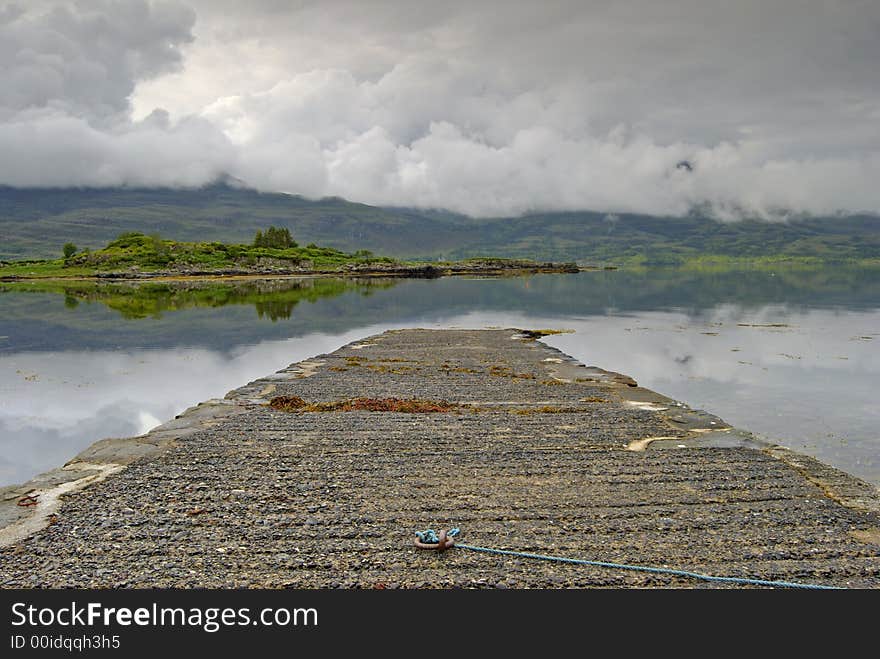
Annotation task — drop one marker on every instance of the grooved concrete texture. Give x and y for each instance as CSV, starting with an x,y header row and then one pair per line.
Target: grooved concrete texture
x,y
541,455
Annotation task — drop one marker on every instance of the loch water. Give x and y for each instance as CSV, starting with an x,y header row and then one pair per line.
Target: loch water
x,y
790,354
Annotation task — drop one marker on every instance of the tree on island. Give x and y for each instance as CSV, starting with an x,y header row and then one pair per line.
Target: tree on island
x,y
275,237
69,250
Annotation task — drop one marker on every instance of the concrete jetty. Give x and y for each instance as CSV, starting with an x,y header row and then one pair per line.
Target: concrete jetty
x,y
318,476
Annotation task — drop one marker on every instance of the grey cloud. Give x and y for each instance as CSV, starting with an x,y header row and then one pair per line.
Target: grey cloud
x,y
69,71
55,149
485,108
86,58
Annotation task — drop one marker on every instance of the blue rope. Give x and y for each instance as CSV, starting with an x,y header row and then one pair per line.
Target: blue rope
x,y
430,537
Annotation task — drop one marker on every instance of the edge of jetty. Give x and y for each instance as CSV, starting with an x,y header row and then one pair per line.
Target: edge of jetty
x,y
530,450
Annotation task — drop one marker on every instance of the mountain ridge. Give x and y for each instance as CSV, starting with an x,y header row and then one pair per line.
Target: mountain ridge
x,y
36,222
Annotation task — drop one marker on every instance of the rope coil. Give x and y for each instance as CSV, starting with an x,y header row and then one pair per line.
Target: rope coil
x,y
430,539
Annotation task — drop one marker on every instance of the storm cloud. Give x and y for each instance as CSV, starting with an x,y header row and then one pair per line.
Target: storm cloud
x,y
486,108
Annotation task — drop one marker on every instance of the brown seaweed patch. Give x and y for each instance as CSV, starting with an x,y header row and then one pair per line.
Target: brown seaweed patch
x,y
382,368
402,405
550,409
457,369
288,403
538,333
507,372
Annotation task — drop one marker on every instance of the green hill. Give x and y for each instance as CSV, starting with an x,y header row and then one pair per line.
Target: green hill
x,y
133,252
35,223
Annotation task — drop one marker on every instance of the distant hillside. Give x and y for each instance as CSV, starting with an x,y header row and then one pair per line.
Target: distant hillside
x,y
35,223
598,237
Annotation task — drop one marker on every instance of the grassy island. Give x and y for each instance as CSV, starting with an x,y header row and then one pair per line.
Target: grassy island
x,y
134,255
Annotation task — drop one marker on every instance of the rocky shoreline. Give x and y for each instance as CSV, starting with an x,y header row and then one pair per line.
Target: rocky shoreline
x,y
479,267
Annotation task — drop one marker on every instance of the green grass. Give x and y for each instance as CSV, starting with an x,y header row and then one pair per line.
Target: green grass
x,y
43,269
136,252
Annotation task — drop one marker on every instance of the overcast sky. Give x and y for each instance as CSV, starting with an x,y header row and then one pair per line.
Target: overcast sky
x,y
481,107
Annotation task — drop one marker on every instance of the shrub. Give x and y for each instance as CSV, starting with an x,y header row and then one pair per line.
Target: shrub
x,y
275,238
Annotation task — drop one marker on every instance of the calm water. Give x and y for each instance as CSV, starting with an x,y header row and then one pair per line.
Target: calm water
x,y
793,356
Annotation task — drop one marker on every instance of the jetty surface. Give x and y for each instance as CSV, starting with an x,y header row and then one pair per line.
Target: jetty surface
x,y
319,475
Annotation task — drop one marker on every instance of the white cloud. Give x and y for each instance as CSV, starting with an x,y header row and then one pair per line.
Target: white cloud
x,y
56,149
86,58
487,108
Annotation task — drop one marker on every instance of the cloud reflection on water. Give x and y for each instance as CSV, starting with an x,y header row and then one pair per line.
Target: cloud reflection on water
x,y
806,383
